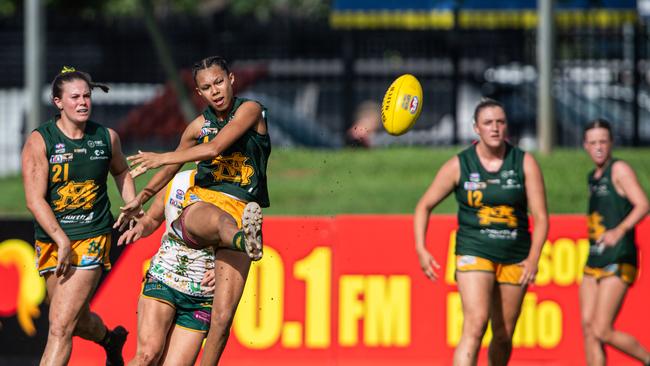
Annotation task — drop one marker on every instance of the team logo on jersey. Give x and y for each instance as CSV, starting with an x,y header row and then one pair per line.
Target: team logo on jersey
x,y
75,195
232,168
474,177
595,225
59,148
61,158
80,151
501,214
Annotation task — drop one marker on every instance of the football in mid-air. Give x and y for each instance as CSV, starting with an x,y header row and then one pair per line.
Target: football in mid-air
x,y
402,104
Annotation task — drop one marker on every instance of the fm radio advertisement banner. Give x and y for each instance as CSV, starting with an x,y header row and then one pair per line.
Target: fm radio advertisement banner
x,y
348,290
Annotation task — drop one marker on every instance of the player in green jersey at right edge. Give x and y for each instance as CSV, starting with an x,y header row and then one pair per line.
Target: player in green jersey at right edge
x,y
495,184
223,209
616,204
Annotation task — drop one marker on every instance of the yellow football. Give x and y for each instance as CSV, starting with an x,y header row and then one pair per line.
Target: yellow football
x,y
402,104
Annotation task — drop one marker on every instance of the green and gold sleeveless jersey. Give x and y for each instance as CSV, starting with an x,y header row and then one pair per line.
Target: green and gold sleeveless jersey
x,y
76,186
606,210
239,171
492,208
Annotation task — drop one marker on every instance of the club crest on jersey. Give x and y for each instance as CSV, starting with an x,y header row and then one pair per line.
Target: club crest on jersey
x,y
61,158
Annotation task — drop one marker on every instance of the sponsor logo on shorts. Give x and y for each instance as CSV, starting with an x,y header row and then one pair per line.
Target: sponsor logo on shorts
x,y
611,268
88,260
466,260
180,194
202,316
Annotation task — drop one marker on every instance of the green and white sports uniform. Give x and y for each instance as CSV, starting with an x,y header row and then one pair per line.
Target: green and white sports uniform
x,y
176,271
606,210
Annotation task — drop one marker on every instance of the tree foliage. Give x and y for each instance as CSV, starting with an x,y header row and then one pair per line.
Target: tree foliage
x,y
262,10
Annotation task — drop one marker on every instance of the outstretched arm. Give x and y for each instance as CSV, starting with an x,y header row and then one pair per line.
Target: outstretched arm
x,y
161,178
35,181
443,184
148,223
248,115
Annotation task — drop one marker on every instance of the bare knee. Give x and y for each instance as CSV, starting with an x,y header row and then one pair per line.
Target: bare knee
x,y
474,328
602,332
502,339
221,321
61,330
588,328
148,354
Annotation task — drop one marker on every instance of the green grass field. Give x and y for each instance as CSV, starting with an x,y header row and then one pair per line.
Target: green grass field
x,y
391,180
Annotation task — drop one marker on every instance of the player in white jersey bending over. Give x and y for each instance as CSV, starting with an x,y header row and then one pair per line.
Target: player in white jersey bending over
x,y
176,301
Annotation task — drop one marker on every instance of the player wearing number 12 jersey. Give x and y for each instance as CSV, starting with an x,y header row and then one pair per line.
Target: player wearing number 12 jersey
x,y
495,185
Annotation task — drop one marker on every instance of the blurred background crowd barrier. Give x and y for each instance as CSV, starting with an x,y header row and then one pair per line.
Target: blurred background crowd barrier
x,y
313,64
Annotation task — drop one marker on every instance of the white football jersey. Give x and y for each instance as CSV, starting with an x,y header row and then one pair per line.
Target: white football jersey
x,y
175,264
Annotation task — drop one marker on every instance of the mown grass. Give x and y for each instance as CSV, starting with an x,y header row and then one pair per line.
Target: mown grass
x,y
391,180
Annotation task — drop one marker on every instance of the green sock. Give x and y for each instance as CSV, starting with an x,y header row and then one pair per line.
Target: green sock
x,y
239,241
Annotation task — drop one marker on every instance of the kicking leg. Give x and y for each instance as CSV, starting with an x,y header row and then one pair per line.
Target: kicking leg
x,y
204,224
